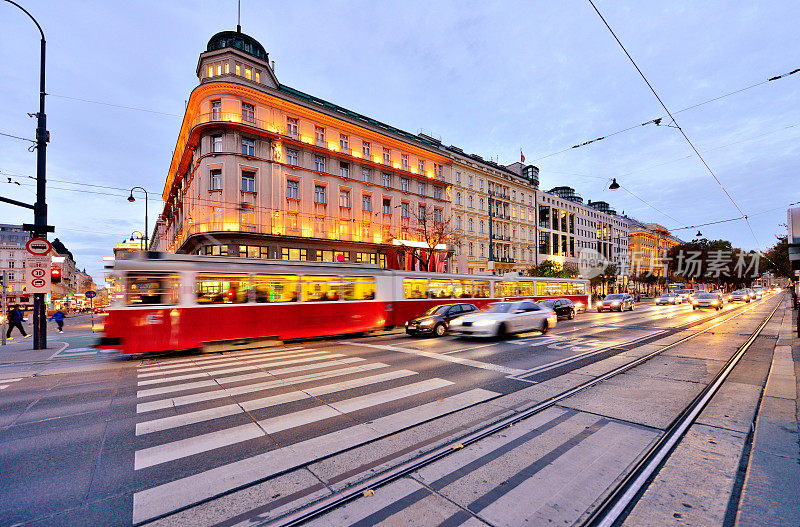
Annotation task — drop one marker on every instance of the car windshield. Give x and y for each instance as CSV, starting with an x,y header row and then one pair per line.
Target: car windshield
x,y
667,295
738,292
548,303
435,310
706,295
498,307
614,297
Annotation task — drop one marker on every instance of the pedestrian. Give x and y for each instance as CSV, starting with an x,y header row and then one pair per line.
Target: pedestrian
x,y
15,321
59,316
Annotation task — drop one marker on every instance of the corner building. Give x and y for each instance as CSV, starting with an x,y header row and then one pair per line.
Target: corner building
x,y
262,170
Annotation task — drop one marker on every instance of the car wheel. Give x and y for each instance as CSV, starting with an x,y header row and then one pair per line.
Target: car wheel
x,y
694,307
632,306
599,310
545,327
571,314
439,330
501,331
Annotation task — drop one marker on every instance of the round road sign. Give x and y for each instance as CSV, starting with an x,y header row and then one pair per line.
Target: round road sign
x,y
38,246
38,273
38,282
90,294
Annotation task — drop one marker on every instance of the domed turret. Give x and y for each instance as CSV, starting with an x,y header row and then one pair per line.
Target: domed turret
x,y
237,40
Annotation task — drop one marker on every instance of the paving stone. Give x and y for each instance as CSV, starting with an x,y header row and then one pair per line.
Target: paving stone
x,y
733,407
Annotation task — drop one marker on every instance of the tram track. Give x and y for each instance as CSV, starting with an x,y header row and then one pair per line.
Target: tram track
x,y
369,485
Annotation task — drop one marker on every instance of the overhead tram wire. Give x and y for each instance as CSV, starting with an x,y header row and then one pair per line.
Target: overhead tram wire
x,y
114,105
658,119
675,122
18,137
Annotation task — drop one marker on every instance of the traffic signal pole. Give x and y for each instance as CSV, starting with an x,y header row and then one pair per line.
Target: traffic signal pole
x,y
39,227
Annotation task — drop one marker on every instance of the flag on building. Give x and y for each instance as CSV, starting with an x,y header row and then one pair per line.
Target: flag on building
x,y
521,156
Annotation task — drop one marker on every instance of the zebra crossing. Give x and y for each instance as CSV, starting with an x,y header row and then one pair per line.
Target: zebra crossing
x,y
5,383
210,424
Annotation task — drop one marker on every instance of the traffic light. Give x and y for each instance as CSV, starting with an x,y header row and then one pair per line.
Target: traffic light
x,y
55,275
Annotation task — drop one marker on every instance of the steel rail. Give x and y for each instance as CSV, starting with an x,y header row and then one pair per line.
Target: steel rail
x,y
616,505
315,509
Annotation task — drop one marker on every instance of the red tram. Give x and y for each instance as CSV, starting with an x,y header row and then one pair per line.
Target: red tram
x,y
174,301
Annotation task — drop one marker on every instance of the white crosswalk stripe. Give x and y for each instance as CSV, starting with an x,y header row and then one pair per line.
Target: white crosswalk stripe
x,y
5,383
305,394
202,359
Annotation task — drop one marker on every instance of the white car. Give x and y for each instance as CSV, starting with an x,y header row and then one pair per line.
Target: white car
x,y
504,318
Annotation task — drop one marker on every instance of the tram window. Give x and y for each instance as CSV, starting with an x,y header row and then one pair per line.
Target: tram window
x,y
441,289
526,289
505,289
481,289
463,289
321,288
222,289
552,288
269,289
359,288
415,288
151,289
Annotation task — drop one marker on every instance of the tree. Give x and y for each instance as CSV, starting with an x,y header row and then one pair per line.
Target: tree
x,y
607,275
776,258
431,229
553,269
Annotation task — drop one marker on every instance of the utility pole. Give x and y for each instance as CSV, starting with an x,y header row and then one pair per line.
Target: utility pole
x,y
4,314
39,227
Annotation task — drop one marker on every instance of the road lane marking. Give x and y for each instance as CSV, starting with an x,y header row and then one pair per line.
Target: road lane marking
x,y
467,349
244,377
243,366
171,451
162,499
442,357
228,357
3,382
251,388
216,363
175,421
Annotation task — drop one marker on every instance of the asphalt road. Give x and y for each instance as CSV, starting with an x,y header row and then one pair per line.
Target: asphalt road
x,y
129,440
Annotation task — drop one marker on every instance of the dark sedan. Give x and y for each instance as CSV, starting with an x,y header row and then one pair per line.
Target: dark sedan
x,y
436,320
562,306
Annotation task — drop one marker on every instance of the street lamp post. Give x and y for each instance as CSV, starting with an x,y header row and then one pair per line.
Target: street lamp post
x,y
39,227
132,199
140,237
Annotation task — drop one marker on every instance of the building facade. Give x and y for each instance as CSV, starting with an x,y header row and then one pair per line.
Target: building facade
x,y
12,261
648,245
262,170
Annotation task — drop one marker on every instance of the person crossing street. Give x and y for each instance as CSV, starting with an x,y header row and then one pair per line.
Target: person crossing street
x,y
15,321
59,317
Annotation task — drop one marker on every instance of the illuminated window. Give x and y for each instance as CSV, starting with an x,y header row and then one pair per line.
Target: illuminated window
x,y
211,71
292,189
415,288
156,288
227,67
216,110
216,143
248,146
258,76
291,157
248,74
344,169
386,156
270,289
248,112
216,179
320,194
294,254
219,69
248,181
319,136
238,70
319,163
366,175
247,214
292,128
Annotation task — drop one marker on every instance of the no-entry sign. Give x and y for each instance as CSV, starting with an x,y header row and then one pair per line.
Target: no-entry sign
x,y
37,265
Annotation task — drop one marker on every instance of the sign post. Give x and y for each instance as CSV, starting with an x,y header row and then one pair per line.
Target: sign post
x,y
90,295
38,263
3,306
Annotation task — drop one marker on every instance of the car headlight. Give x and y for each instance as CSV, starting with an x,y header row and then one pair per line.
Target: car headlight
x,y
615,303
579,304
428,322
484,322
714,302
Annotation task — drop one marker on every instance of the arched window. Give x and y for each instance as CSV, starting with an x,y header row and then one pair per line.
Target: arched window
x,y
458,222
471,247
469,223
458,198
480,203
470,201
481,226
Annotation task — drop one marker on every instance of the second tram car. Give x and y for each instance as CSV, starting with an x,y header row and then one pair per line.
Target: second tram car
x,y
171,302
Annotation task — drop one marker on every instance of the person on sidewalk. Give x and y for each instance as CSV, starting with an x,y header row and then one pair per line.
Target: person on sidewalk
x,y
15,321
59,317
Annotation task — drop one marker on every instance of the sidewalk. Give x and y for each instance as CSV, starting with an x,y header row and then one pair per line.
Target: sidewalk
x,y
770,492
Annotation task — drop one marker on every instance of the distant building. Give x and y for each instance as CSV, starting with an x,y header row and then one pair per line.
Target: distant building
x,y
648,245
12,261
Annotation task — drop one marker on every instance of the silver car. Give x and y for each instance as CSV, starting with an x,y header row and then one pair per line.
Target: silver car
x,y
505,318
740,295
706,300
669,298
